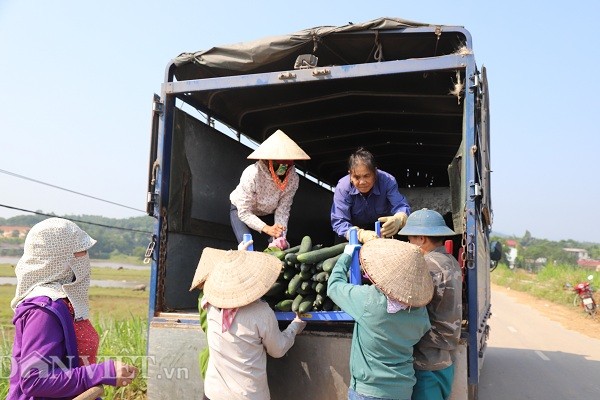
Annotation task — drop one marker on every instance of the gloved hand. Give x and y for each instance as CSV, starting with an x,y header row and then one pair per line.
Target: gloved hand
x,y
365,235
391,225
349,249
280,243
244,245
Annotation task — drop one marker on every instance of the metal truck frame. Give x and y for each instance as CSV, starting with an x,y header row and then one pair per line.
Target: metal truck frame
x,y
409,92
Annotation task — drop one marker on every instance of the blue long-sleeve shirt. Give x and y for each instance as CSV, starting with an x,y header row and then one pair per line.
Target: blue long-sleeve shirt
x,y
381,353
350,208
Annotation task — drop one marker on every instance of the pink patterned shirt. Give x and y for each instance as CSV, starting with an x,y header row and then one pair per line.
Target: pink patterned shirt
x,y
257,195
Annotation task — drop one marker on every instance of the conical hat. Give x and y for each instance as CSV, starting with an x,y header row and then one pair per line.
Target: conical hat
x,y
241,277
208,259
399,270
278,146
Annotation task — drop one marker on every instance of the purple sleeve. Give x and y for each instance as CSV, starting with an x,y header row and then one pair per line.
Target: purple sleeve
x,y
43,370
340,209
396,199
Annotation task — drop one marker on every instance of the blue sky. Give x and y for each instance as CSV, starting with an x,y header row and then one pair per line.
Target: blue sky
x,y
77,80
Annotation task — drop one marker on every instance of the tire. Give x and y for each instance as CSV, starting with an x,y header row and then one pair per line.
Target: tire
x,y
591,309
577,301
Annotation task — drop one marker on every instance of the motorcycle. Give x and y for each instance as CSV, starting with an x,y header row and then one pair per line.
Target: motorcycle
x,y
584,296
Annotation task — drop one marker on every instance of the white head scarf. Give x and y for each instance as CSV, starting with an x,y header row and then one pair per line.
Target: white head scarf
x,y
49,268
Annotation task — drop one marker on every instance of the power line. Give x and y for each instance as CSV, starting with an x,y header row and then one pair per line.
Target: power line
x,y
76,220
68,190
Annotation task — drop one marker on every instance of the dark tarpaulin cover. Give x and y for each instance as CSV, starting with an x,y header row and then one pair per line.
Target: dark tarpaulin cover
x,y
250,56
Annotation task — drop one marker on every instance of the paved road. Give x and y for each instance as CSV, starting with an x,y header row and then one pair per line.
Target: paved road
x,y
532,357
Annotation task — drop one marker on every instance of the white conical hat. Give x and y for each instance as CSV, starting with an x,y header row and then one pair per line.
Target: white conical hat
x,y
208,259
399,270
240,277
279,146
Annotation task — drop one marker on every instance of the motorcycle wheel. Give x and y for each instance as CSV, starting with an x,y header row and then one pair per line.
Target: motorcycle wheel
x,y
591,309
577,301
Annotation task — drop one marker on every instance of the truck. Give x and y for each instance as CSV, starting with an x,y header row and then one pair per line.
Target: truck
x,y
409,92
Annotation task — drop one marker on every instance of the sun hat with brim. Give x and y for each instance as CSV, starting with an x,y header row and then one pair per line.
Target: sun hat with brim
x,y
208,259
399,270
241,277
426,222
278,146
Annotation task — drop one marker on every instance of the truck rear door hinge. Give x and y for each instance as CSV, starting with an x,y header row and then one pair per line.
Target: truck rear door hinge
x,y
150,250
157,107
475,189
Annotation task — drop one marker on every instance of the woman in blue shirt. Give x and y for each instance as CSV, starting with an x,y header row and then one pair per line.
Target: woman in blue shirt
x,y
367,195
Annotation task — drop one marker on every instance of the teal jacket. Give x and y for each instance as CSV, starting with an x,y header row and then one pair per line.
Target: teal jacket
x,y
381,356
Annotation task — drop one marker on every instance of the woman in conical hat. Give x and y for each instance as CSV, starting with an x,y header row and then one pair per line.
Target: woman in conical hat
x,y
267,187
241,328
390,317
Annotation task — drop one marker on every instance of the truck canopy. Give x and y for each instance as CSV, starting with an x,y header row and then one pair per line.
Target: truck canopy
x,y
411,121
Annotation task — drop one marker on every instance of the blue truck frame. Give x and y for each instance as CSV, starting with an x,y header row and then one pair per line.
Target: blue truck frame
x,y
476,218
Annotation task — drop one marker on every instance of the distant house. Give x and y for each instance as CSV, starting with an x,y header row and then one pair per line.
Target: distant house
x,y
589,264
8,231
581,254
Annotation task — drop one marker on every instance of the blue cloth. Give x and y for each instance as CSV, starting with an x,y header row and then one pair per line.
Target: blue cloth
x,y
261,240
239,228
353,395
433,385
381,353
350,208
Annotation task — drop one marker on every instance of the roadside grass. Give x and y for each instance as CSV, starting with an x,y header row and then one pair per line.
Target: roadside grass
x,y
98,273
548,283
119,316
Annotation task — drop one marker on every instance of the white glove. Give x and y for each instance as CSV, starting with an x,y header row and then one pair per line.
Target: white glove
x,y
244,245
391,225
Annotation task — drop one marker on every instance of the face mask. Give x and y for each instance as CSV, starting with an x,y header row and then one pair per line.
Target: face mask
x,y
282,169
78,290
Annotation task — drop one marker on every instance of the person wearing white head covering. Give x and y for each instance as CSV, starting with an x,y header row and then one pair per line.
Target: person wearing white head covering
x,y
55,345
267,187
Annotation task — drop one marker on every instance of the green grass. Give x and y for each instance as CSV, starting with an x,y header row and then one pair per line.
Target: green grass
x,y
122,258
548,283
98,273
122,335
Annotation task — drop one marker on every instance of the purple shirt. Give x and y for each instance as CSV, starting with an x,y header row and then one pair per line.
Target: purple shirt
x,y
45,360
350,208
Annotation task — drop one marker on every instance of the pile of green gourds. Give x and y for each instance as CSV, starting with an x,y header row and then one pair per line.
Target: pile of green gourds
x,y
302,283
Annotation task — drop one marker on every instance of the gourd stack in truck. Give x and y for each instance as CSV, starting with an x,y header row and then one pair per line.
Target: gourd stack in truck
x,y
302,284
409,92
